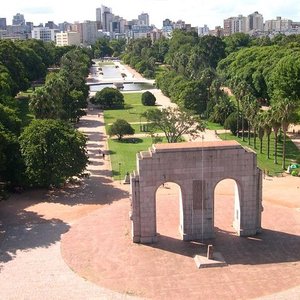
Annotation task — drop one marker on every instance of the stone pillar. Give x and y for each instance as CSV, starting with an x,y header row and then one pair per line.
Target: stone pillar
x,y
135,216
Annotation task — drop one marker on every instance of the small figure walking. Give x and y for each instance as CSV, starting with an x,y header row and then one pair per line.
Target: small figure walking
x,y
103,155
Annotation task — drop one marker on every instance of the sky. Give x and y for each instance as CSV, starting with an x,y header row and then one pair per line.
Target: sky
x,y
195,12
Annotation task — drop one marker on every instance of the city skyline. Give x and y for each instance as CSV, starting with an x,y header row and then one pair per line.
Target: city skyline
x,y
210,13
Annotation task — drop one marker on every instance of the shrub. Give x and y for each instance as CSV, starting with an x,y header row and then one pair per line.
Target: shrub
x,y
148,99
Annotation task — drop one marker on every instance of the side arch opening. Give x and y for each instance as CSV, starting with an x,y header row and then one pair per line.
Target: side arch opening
x,y
227,207
169,210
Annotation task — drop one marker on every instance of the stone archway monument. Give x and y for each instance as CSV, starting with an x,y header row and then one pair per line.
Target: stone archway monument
x,y
197,168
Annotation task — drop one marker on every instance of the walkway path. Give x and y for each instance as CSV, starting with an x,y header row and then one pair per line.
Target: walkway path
x,y
32,224
92,218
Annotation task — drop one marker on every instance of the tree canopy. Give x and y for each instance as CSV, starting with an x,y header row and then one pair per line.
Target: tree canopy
x,y
53,151
175,122
148,99
109,98
120,128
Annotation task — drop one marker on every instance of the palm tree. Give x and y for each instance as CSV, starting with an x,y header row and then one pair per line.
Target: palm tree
x,y
244,91
261,130
275,123
268,129
286,114
251,111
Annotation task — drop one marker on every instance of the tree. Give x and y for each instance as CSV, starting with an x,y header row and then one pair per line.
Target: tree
x,y
53,151
230,123
109,98
120,128
261,131
274,119
174,122
46,102
11,163
148,99
286,76
287,115
222,109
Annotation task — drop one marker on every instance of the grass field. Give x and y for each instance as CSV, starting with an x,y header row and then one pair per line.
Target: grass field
x,y
263,162
213,126
123,154
131,112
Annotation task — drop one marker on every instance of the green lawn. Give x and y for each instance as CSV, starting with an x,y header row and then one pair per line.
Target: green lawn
x,y
123,154
131,112
136,127
213,126
100,63
263,162
23,111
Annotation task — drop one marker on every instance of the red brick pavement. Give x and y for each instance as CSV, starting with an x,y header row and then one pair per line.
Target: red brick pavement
x,y
100,249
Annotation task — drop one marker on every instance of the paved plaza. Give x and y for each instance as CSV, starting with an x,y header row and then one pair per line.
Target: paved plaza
x,y
75,243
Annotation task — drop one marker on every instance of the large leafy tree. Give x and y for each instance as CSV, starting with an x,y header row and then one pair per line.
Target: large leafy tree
x,y
120,128
10,59
109,98
46,102
53,151
286,76
175,122
101,48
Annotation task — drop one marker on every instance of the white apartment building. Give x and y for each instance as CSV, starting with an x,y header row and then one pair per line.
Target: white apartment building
x,y
68,38
143,19
202,31
235,24
43,33
278,25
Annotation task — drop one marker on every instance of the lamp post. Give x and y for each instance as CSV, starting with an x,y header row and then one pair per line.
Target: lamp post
x,y
140,123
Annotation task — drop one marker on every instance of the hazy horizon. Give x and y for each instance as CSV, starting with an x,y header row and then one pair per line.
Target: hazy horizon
x,y
210,13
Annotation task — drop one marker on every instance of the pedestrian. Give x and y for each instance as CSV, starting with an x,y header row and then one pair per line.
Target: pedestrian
x,y
103,155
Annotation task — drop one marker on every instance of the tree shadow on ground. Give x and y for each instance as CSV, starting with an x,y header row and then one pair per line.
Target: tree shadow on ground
x,y
132,140
266,248
90,123
24,230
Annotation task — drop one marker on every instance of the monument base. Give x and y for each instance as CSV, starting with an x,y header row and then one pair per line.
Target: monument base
x,y
203,262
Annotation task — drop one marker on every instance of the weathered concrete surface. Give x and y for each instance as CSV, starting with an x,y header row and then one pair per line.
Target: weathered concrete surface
x,y
197,168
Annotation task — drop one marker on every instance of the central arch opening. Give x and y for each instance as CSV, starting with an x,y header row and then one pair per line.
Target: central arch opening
x,y
169,211
226,207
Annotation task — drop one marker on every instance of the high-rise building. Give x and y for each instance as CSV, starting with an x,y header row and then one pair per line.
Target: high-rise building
x,y
202,31
234,24
255,22
51,25
89,32
18,19
2,23
167,22
67,39
106,17
43,33
278,25
98,14
98,18
143,19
